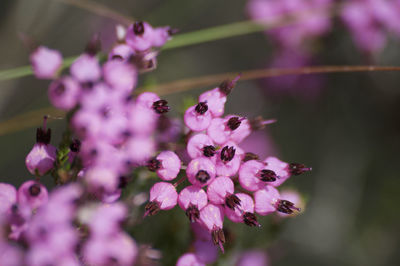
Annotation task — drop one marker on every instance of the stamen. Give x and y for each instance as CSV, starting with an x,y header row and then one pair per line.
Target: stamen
x,y
161,106
138,28
34,190
227,153
153,164
232,201
297,168
193,213
201,107
209,151
151,208
202,176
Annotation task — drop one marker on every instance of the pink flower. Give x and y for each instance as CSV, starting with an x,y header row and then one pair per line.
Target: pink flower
x,y
200,171
200,145
228,159
121,51
170,165
189,259
192,199
140,36
163,196
63,93
86,68
8,197
101,180
197,117
212,216
32,194
45,62
221,190
243,213
268,200
120,76
253,175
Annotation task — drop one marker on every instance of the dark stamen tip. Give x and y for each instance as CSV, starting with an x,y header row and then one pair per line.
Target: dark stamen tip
x,y
209,151
138,28
34,190
161,106
234,122
201,108
202,176
153,164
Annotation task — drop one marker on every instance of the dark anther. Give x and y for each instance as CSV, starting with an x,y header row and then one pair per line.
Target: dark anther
x,y
234,122
227,153
94,46
227,85
75,145
257,123
153,164
250,156
286,206
43,136
267,175
201,107
250,219
151,208
232,201
218,237
297,168
161,106
117,57
34,190
60,88
138,28
87,85
202,176
193,213
172,31
123,182
209,151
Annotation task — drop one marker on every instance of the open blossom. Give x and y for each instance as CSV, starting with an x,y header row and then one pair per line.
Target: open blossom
x,y
64,92
192,199
201,171
45,62
163,196
197,117
32,194
167,165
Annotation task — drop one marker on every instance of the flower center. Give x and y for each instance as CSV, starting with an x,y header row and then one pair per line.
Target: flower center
x,y
227,153
201,108
34,190
202,176
161,106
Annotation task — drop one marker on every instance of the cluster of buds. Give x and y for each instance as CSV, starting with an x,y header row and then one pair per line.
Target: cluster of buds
x,y
111,134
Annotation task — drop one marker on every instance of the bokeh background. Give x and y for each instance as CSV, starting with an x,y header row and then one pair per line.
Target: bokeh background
x,y
348,131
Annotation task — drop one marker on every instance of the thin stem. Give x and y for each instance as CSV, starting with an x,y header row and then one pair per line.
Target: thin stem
x,y
33,118
184,39
191,83
99,9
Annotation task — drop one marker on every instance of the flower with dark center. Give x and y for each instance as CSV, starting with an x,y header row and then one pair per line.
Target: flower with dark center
x,y
209,151
232,201
202,176
161,106
153,164
286,206
297,168
34,190
138,28
227,153
201,108
267,175
250,219
151,208
234,122
75,145
248,156
193,213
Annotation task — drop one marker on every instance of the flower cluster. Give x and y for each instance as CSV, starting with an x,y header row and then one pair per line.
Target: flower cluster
x,y
111,136
238,184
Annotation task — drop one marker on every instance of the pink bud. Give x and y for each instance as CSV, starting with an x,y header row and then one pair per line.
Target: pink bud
x,y
219,189
265,200
32,194
45,62
215,100
8,197
86,68
212,216
101,180
139,36
248,175
120,51
163,196
63,93
200,145
139,149
243,213
120,75
170,165
197,117
192,199
200,171
280,169
142,120
189,259
41,158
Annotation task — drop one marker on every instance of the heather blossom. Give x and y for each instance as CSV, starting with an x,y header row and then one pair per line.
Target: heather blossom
x,y
112,140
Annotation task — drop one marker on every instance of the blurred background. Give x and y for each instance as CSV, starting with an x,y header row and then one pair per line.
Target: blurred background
x,y
345,125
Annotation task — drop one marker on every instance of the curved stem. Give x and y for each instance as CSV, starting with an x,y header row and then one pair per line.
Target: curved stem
x,y
34,118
